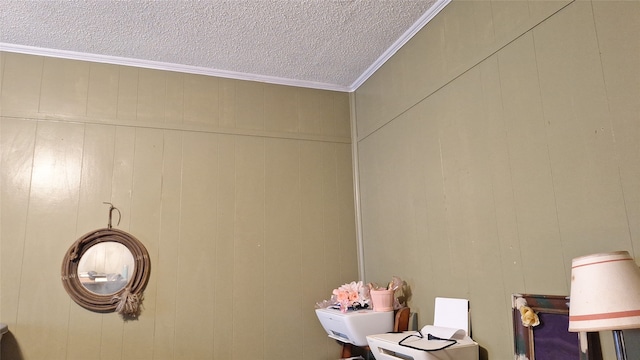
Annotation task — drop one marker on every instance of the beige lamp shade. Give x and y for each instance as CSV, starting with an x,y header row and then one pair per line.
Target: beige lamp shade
x,y
605,292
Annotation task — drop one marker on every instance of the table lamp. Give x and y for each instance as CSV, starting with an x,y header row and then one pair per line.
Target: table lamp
x,y
605,295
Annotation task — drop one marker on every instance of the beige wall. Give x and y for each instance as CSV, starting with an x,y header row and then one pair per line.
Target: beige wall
x,y
501,142
242,193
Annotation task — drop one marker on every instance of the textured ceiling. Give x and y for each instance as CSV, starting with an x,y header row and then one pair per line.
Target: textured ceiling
x,y
329,44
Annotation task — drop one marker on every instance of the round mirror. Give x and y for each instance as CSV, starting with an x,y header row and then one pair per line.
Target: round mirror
x,y
104,268
107,270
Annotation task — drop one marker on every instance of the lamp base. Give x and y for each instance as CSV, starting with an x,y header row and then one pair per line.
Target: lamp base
x,y
618,340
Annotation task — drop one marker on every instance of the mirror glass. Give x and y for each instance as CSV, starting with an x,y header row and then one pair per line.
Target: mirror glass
x,y
106,268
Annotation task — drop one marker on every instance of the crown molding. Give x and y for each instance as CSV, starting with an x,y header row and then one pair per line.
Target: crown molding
x,y
417,26
156,65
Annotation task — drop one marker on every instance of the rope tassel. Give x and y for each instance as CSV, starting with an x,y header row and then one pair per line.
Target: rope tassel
x,y
128,304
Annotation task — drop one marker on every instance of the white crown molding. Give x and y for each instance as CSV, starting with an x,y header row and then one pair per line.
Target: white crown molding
x,y
156,65
417,26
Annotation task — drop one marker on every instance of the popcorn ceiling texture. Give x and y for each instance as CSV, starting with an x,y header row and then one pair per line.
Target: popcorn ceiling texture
x,y
322,41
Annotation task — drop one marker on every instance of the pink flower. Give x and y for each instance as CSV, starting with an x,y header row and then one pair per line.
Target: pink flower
x,y
351,294
342,296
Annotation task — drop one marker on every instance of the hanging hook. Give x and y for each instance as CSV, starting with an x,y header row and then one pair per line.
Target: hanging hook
x,y
111,208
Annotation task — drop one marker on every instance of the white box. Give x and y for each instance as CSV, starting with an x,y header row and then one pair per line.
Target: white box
x,y
354,325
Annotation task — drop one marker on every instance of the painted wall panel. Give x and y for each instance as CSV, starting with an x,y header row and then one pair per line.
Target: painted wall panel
x,y
219,207
478,222
507,15
102,97
345,207
531,170
335,266
145,215
340,110
112,327
64,87
432,240
2,60
497,174
17,144
152,90
249,252
223,327
227,103
21,80
200,100
589,199
460,41
281,109
165,272
315,107
462,35
249,105
312,254
55,179
127,94
282,246
197,246
456,154
502,180
174,105
95,188
394,161
425,55
618,27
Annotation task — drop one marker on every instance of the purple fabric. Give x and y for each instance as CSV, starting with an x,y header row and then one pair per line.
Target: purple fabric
x,y
552,339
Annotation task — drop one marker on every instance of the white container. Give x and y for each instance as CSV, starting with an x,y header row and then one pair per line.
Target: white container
x,y
354,325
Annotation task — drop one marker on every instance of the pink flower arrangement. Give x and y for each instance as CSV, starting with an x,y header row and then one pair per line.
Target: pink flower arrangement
x,y
356,295
351,295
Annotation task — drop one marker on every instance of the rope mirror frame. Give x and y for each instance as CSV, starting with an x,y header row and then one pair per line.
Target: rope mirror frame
x,y
127,300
